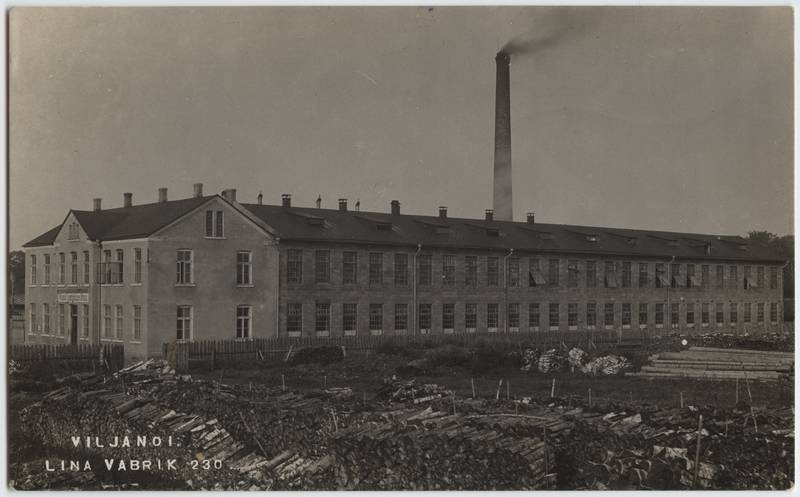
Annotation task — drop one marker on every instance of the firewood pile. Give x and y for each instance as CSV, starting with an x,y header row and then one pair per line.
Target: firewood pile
x,y
530,359
719,363
607,365
438,450
411,391
552,361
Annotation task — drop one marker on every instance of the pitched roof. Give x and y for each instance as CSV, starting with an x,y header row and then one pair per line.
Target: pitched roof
x,y
303,224
335,226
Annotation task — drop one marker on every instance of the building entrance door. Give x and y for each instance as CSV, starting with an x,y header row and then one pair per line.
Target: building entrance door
x,y
73,324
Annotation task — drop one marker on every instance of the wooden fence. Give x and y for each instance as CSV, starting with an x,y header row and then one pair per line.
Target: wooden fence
x,y
74,357
225,353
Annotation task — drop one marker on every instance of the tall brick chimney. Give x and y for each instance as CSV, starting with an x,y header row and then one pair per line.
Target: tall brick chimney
x,y
503,202
127,199
162,194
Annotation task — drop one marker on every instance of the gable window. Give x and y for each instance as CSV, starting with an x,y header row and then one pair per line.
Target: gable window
x,y
425,269
401,269
322,321
349,318
349,267
294,319
33,270
244,268
294,266
87,268
183,327
215,224
376,268
491,271
322,266
137,322
137,265
376,319
400,318
448,270
46,269
73,231
184,274
470,270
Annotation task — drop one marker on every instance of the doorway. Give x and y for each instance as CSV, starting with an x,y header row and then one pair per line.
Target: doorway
x,y
73,324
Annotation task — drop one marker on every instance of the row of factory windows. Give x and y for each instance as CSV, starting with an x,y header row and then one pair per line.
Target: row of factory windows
x,y
78,316
615,274
588,319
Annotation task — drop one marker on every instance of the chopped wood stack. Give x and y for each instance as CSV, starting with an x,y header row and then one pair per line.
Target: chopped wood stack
x,y
716,363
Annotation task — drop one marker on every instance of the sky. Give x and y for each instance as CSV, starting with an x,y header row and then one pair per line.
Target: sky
x,y
664,118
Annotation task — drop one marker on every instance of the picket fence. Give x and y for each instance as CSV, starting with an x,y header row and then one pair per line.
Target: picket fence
x,y
81,357
225,353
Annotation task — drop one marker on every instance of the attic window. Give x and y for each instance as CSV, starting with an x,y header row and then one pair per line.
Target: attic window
x,y
492,232
316,221
385,226
73,231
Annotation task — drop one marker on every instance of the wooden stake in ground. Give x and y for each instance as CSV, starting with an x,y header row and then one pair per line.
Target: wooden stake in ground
x,y
497,396
681,400
590,397
472,381
697,452
508,389
325,381
553,389
737,390
283,383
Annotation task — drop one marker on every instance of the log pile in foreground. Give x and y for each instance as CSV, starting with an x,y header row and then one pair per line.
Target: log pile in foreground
x,y
716,363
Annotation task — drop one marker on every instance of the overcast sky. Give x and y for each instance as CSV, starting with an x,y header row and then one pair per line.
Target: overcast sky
x,y
655,118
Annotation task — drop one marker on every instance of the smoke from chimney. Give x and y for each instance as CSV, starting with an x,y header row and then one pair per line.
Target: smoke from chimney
x,y
503,202
552,27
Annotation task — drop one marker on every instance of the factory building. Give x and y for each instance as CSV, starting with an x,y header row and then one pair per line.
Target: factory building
x,y
209,267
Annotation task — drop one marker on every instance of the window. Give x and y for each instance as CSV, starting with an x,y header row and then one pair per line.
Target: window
x,y
87,271
719,313
773,312
32,316
471,317
119,327
244,268
349,267
535,277
643,318
773,277
46,319
674,275
376,319
400,318
643,268
62,257
322,321
322,266
73,231
491,271
591,314
691,279
760,276
471,270
513,271
720,276
349,318
492,315
184,275
85,327
553,316
534,316
184,322
448,317
425,269
704,273
626,315
294,266
661,277
591,274
690,313
608,313
215,224
760,313
552,272
120,267
424,318
748,283
401,270
62,319
33,270
611,274
513,317
572,273
137,322
294,319
748,314
107,331
674,314
47,269
137,265
375,268
733,311
626,274
572,315
659,314
448,270
704,318
733,276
